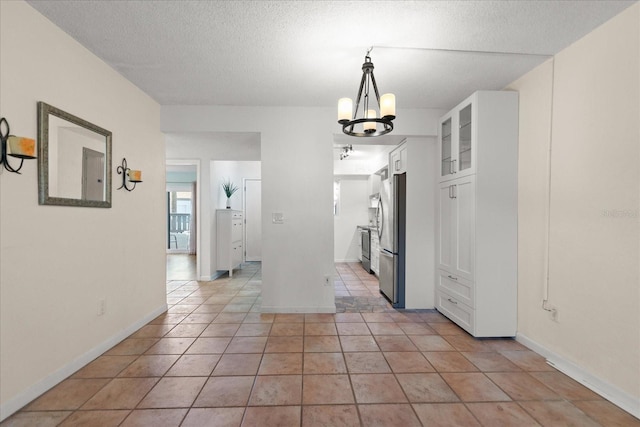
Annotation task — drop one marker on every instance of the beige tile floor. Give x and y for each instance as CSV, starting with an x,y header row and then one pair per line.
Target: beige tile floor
x,y
214,360
181,267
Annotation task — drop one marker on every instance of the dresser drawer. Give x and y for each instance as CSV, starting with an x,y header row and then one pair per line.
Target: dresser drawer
x,y
460,288
455,310
236,230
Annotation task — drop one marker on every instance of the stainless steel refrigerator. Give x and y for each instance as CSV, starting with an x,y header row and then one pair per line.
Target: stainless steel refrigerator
x,y
392,232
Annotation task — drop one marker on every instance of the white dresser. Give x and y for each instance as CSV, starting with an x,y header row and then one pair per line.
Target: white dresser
x,y
229,250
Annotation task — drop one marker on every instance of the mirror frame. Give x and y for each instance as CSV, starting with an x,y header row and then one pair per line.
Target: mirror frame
x,y
44,110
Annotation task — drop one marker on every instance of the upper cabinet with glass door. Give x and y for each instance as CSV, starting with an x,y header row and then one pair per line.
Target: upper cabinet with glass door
x,y
465,138
445,148
472,136
457,142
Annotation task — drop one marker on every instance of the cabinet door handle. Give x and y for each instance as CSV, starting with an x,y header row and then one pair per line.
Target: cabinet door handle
x,y
454,165
455,191
452,278
452,301
397,165
450,166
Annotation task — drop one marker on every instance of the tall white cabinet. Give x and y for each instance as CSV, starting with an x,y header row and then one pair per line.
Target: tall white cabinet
x,y
476,284
229,234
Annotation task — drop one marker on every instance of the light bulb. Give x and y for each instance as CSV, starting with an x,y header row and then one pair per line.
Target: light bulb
x,y
345,110
370,127
388,106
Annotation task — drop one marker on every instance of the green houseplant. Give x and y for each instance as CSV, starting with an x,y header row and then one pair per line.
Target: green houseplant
x,y
229,188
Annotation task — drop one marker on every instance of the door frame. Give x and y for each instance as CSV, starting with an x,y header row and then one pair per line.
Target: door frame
x,y
196,163
244,210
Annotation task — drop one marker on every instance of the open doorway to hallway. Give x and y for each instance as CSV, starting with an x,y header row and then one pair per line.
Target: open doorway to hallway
x,y
182,221
180,208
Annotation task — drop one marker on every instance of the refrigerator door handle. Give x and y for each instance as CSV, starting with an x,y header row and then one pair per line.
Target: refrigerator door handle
x,y
396,281
381,223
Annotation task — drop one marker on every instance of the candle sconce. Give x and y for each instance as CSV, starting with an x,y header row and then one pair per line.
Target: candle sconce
x,y
130,175
21,148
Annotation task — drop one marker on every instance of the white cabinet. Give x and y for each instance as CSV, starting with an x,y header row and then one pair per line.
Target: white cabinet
x,y
476,282
457,141
457,223
373,184
229,252
398,159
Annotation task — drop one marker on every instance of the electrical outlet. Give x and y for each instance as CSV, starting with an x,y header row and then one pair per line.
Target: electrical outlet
x,y
327,280
102,307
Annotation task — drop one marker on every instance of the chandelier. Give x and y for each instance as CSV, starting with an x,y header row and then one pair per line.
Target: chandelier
x,y
348,118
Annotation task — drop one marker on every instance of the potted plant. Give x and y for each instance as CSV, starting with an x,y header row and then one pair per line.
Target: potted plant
x,y
229,189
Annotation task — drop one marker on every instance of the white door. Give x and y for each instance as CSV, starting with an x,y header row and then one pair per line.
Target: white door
x,y
464,227
253,219
92,174
445,238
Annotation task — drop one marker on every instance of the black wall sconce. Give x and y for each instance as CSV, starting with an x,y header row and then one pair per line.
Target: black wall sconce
x,y
21,148
129,175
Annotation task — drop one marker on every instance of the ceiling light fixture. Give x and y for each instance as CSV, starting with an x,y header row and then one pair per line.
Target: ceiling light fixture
x,y
345,151
348,118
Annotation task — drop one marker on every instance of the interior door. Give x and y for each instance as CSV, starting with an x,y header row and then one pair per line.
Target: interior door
x,y
92,174
253,218
464,224
445,237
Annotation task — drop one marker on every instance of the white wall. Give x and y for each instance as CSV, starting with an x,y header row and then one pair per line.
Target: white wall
x,y
58,262
590,100
297,175
221,171
182,177
422,169
353,211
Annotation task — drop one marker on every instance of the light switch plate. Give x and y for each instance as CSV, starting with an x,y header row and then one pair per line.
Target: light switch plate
x,y
277,217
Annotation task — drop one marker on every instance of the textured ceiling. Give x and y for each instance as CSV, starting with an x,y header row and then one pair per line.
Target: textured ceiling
x,y
309,53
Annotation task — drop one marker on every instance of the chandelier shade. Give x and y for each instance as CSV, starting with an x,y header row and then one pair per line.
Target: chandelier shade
x,y
372,123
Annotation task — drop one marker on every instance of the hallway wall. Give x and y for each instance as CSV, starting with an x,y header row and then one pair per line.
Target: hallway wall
x,y
58,262
297,176
580,161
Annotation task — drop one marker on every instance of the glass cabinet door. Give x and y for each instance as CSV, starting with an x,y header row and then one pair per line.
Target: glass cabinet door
x,y
464,141
446,148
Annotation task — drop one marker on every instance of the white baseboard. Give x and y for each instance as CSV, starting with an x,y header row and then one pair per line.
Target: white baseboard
x,y
347,260
213,277
278,309
609,391
14,404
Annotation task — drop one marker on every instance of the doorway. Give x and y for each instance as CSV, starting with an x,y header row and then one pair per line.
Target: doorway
x,y
182,232
180,209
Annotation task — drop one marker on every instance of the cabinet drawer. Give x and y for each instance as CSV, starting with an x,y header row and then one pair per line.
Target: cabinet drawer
x,y
457,287
236,230
455,310
236,255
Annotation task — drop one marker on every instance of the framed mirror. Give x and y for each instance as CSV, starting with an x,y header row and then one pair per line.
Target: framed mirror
x,y
74,160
